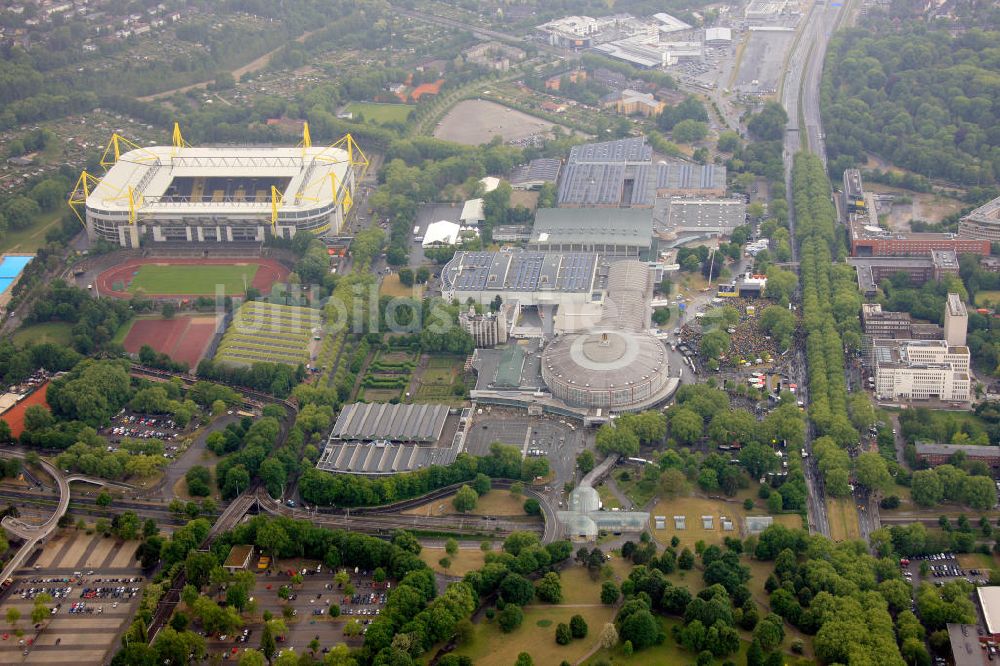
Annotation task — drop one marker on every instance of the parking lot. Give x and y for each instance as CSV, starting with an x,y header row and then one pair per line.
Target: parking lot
x,y
309,602
95,584
942,568
141,426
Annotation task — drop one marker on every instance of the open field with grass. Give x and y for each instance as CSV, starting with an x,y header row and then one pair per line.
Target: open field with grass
x,y
192,280
436,382
843,519
977,561
381,113
668,653
608,498
271,333
693,508
635,487
493,503
536,636
391,286
986,299
56,332
32,238
468,559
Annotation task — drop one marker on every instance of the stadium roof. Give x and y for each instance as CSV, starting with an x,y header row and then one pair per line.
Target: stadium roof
x,y
520,271
583,226
304,174
395,423
677,175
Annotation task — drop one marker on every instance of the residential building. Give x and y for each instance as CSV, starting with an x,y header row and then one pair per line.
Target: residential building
x,y
632,102
574,76
880,323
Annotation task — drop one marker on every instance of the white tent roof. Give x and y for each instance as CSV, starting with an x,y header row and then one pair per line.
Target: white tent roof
x,y
441,233
472,211
490,183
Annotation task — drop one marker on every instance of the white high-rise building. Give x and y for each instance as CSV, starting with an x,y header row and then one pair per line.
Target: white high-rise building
x,y
956,321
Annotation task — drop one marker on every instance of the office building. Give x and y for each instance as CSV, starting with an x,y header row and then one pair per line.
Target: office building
x,y
907,370
983,223
956,321
488,329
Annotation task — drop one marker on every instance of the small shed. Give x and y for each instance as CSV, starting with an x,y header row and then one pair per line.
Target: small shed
x,y
239,558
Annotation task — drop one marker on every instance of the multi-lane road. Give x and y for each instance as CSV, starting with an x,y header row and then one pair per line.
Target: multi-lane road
x,y
800,98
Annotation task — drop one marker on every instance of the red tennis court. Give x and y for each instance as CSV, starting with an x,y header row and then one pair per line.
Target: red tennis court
x,y
15,415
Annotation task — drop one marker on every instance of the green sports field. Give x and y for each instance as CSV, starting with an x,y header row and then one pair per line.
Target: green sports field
x,y
381,113
194,280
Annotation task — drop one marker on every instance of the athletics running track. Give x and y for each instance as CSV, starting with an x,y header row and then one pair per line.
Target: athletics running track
x,y
269,272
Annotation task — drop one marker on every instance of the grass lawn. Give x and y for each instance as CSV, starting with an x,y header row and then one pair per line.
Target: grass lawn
x,y
693,508
536,636
637,489
56,332
192,280
32,238
381,113
608,498
843,519
987,298
578,587
391,286
668,653
977,561
493,503
467,560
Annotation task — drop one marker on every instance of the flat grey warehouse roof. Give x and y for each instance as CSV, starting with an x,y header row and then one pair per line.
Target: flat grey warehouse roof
x,y
395,423
602,226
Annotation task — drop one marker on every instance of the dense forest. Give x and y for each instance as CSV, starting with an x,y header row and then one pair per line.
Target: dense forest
x,y
923,98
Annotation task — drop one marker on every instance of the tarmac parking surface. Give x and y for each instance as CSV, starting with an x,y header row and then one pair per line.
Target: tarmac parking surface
x,y
90,633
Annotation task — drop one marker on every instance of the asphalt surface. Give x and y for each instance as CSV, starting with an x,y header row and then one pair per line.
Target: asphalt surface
x,y
192,456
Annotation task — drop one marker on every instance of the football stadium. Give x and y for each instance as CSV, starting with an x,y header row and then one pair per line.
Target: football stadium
x,y
217,194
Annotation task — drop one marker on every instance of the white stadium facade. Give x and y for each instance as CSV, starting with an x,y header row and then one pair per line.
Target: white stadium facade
x,y
218,194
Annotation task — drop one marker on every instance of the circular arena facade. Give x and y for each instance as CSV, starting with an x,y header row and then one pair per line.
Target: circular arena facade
x,y
611,369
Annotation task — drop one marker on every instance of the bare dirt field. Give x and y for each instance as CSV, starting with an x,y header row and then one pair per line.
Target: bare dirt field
x,y
474,121
928,207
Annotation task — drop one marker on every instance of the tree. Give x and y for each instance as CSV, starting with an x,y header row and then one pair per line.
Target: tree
x,y
690,131
578,626
516,589
871,471
268,646
686,559
450,547
563,634
640,628
770,632
611,439
104,499
251,657
13,615
481,484
585,461
549,588
609,636
926,488
685,425
510,618
465,499
609,593
524,659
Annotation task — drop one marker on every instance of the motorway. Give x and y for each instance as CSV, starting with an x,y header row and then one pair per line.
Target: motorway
x,y
800,97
